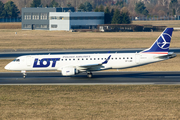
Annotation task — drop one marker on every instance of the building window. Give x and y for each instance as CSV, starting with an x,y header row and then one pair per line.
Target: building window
x,y
27,26
53,17
44,26
44,16
53,26
27,16
35,16
60,18
38,26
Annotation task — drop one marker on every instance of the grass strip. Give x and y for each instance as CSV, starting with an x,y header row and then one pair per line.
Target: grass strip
x,y
90,102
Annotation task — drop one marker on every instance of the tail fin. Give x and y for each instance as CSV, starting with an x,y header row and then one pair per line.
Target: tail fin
x,y
161,45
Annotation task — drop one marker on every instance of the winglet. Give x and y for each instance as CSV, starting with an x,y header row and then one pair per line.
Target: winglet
x,y
161,45
106,61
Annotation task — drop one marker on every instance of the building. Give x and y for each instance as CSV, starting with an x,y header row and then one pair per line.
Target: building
x,y
75,20
59,19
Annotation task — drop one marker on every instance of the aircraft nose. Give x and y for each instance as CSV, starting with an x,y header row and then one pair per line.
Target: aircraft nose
x,y
7,67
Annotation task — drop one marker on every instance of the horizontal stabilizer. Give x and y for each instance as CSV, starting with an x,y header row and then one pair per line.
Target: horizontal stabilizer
x,y
169,56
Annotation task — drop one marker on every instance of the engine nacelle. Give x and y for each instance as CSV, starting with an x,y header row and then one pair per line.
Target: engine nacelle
x,y
69,71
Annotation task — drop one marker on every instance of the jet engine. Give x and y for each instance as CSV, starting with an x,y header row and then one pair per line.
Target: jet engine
x,y
69,71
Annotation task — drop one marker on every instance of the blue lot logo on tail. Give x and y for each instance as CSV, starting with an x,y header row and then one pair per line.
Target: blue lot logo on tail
x,y
161,45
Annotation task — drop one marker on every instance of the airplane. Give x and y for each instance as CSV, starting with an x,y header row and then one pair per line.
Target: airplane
x,y
72,64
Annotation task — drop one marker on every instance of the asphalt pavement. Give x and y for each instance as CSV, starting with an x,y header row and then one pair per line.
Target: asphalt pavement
x,y
99,78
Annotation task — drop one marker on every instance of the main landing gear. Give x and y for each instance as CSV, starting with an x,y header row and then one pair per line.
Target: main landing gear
x,y
89,75
24,73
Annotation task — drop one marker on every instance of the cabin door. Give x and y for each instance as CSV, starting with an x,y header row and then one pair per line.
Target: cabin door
x,y
28,60
137,58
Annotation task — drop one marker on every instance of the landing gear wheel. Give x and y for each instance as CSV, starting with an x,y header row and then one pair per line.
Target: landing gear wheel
x,y
89,75
24,73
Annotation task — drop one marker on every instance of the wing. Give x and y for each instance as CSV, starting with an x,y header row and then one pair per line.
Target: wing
x,y
94,66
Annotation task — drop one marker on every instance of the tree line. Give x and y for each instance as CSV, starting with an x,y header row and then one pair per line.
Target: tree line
x,y
8,10
152,7
112,16
164,9
122,8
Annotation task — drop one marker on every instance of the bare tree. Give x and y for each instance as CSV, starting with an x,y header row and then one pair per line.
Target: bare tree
x,y
164,2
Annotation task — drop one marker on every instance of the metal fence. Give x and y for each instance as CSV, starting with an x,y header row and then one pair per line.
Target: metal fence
x,y
10,19
142,18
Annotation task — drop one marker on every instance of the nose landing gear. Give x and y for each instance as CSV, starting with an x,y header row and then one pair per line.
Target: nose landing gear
x,y
24,73
89,75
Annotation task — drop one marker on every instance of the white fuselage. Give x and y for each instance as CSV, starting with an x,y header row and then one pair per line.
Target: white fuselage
x,y
72,64
58,62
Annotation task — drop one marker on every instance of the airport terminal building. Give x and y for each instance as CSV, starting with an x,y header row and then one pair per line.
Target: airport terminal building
x,y
59,19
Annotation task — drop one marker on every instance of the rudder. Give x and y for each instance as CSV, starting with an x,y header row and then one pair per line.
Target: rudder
x,y
161,45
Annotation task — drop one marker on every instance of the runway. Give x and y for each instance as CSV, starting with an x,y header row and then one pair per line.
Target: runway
x,y
99,78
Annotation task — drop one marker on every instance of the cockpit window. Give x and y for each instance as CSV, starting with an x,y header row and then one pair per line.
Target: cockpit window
x,y
16,60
